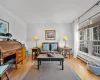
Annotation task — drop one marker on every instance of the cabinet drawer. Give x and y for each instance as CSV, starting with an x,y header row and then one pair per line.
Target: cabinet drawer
x,y
19,55
19,51
19,59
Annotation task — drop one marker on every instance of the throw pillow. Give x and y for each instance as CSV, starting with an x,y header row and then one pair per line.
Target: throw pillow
x,y
46,47
54,47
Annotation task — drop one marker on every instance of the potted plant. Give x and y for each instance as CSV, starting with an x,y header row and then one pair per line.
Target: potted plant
x,y
2,34
8,35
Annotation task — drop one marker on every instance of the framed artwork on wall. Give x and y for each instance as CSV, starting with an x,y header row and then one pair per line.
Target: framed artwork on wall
x,y
4,26
50,34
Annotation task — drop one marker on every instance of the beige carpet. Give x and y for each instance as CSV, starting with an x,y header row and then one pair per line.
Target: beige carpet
x,y
51,71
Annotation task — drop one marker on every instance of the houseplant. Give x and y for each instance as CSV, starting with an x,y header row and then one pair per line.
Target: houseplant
x,y
2,34
8,35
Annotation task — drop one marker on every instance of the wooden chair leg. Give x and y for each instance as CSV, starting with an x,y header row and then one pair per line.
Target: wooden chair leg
x,y
0,78
7,76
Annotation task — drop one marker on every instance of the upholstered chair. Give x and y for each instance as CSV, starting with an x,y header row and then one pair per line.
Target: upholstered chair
x,y
93,67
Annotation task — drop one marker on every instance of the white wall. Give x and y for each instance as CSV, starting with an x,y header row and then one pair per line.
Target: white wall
x,y
38,30
92,12
17,27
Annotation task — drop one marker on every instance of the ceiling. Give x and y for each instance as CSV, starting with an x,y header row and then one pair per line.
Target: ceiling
x,y
47,11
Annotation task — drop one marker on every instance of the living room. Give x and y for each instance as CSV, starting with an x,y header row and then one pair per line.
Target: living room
x,y
75,20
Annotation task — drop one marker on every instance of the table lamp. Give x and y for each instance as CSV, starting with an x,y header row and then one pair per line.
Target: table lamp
x,y
36,39
65,39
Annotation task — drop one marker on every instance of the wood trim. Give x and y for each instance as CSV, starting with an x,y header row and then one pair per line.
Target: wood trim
x,y
90,26
94,24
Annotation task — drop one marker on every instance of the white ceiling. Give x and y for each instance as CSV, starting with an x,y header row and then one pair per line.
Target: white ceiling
x,y
47,11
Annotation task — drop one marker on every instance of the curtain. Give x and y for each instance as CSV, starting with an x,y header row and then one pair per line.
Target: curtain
x,y
76,38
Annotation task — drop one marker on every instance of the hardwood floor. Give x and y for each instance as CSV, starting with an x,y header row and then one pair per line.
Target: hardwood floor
x,y
78,65
80,68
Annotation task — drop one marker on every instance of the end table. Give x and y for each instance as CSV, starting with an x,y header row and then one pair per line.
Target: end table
x,y
34,53
67,49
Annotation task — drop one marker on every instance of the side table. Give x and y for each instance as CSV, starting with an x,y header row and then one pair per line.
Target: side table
x,y
67,49
34,53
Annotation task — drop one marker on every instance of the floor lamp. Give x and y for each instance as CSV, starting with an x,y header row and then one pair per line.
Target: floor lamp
x,y
36,39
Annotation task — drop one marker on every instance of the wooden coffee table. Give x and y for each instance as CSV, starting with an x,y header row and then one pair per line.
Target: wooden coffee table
x,y
56,57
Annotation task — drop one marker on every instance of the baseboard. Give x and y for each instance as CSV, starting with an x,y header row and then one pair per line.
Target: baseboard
x,y
79,57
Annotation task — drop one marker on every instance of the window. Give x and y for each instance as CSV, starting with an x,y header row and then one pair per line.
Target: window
x,y
83,46
96,41
96,33
89,36
84,35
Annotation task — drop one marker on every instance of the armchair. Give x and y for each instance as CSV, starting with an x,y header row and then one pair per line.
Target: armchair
x,y
93,67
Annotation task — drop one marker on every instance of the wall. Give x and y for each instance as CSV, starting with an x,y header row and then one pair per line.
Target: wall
x,y
17,27
92,12
39,30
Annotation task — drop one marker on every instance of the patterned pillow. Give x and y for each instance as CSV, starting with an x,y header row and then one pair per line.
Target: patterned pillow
x,y
46,47
54,47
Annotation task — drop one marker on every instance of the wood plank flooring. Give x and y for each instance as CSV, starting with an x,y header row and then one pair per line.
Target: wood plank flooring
x,y
78,65
80,68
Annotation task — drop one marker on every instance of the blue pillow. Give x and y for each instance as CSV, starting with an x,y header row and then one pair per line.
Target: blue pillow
x,y
53,47
46,47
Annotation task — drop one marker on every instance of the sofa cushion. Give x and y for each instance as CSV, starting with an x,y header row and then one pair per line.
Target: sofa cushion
x,y
46,47
43,51
54,52
54,47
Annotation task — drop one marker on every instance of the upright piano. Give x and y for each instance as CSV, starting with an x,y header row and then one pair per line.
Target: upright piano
x,y
12,51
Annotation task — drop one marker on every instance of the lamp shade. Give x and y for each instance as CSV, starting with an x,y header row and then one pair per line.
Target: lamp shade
x,y
36,38
65,38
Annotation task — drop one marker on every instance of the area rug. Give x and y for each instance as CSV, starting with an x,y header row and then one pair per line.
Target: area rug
x,y
51,71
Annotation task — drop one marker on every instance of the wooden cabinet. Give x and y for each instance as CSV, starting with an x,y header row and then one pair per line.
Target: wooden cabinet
x,y
24,53
12,52
20,56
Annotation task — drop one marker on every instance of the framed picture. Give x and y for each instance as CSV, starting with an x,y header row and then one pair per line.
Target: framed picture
x,y
50,34
4,26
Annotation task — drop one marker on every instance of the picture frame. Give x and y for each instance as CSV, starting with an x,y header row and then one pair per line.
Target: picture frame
x,y
50,34
4,26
